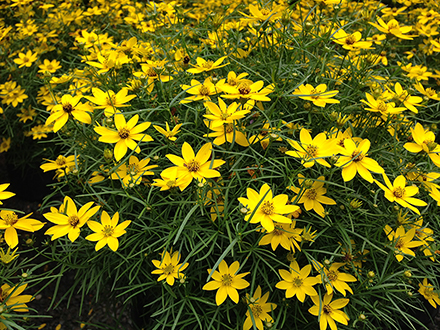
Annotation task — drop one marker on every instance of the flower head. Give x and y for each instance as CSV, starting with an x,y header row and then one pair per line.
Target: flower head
x,y
205,66
10,296
70,106
297,282
427,291
109,100
10,221
317,95
402,241
329,311
259,308
5,194
169,268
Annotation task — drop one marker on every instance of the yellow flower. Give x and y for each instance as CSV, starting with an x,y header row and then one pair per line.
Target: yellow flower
x,y
26,59
8,257
329,311
5,194
109,101
226,281
69,106
317,95
152,71
312,195
107,232
4,146
169,134
404,98
354,160
297,282
228,132
10,296
398,192
311,150
199,91
205,66
424,141
10,221
61,163
333,279
126,135
263,14
379,105
169,267
49,66
427,291
402,241
285,234
69,220
351,41
224,114
248,91
193,166
265,209
259,307
132,173
393,28
170,180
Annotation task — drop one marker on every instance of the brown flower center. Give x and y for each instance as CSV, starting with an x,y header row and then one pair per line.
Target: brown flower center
x,y
256,310
244,88
357,156
311,151
327,309
60,161
67,108
192,166
399,192
229,128
203,90
11,219
124,133
297,282
168,269
73,220
311,194
332,275
350,40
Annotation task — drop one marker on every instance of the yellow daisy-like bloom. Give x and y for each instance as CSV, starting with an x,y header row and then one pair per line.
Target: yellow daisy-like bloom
x,y
402,96
10,296
132,173
398,192
226,281
222,114
317,95
312,194
351,41
169,268
402,241
427,291
170,180
259,307
263,14
68,219
49,66
354,160
61,163
193,166
107,232
69,106
10,221
126,135
379,105
248,91
199,91
265,209
393,27
169,134
424,141
285,234
205,66
109,101
5,194
329,311
26,59
152,71
297,281
333,279
228,132
313,150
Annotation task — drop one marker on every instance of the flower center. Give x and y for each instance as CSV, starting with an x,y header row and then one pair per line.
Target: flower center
x,y
124,133
11,219
192,166
350,40
73,220
168,269
67,108
357,156
311,151
267,208
399,244
265,11
208,64
229,128
60,161
314,91
381,106
297,282
133,169
310,194
399,192
203,90
232,81
244,88
171,183
327,309
332,275
256,310
108,230
226,280
111,101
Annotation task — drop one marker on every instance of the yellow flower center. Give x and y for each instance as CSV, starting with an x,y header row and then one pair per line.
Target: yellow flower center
x,y
277,232
108,230
265,11
267,208
332,275
171,183
49,67
297,282
229,128
256,310
110,101
310,194
232,81
203,90
314,91
192,166
431,145
168,269
382,106
225,115
11,219
311,151
73,220
399,192
133,169
124,133
67,108
244,88
207,65
60,161
226,280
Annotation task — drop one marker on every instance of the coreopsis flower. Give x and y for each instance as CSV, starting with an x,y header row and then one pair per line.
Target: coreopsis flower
x,y
109,101
226,281
312,194
193,166
12,298
393,27
400,193
26,114
265,135
169,134
11,93
26,59
132,173
284,234
205,66
69,220
5,194
297,282
170,180
152,71
263,14
259,307
350,41
426,236
199,91
382,106
264,208
401,95
110,60
329,311
427,291
5,145
229,132
312,150
169,268
429,93
49,66
246,91
69,106
107,232
10,222
333,279
126,135
317,95
354,160
61,163
222,114
233,80
9,256
402,241
424,141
